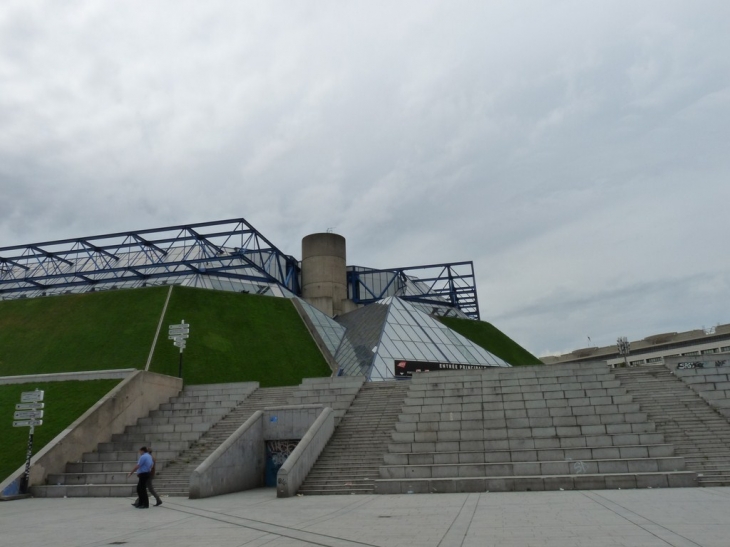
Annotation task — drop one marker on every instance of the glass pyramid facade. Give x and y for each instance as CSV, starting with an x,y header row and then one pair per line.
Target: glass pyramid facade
x,y
392,330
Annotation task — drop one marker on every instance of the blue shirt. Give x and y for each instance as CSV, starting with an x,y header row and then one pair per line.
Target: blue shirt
x,y
145,463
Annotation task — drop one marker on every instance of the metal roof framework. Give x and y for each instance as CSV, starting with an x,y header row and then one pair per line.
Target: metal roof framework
x,y
453,284
226,248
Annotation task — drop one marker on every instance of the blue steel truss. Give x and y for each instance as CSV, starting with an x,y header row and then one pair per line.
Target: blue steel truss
x,y
226,248
452,284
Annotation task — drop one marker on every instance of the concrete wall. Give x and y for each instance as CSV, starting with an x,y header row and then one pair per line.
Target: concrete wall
x,y
324,272
289,422
114,374
300,462
132,399
238,464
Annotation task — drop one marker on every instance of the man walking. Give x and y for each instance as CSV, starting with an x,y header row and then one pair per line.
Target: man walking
x,y
143,469
151,486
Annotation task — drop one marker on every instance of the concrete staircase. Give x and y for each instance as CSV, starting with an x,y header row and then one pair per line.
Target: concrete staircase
x,y
336,393
350,461
699,433
526,428
174,480
167,431
711,383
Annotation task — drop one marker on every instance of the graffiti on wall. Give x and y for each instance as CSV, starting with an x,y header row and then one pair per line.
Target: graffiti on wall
x,y
690,365
686,365
279,451
276,454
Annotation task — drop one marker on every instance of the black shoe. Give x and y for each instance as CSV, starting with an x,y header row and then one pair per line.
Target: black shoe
x,y
159,502
135,505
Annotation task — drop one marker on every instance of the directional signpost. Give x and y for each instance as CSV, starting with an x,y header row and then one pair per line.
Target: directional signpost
x,y
179,334
28,413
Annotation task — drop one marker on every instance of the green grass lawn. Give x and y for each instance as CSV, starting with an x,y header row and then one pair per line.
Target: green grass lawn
x,y
65,402
492,339
238,338
234,337
91,331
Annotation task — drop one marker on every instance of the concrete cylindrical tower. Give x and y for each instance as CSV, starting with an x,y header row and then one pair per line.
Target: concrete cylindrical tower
x,y
324,272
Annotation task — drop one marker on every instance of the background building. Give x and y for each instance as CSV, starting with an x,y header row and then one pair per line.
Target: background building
x,y
654,349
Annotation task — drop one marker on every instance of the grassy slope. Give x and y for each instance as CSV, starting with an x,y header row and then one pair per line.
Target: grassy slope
x,y
235,337
492,339
65,401
92,331
238,337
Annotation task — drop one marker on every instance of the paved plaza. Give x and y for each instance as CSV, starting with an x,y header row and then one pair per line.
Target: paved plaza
x,y
682,517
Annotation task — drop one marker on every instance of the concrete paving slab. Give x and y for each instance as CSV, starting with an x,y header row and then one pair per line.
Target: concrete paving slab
x,y
685,517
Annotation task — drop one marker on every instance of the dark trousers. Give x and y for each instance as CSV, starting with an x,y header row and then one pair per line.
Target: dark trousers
x,y
151,488
144,500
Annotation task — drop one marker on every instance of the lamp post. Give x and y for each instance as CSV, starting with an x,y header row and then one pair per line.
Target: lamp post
x,y
624,346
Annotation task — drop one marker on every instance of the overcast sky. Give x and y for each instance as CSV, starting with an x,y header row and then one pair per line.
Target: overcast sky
x,y
577,151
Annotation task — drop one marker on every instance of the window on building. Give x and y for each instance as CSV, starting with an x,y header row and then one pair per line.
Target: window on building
x,y
654,360
692,353
725,348
708,351
638,362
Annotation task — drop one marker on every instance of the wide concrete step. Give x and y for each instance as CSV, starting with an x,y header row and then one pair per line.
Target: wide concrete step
x,y
713,483
176,420
134,446
705,456
326,470
91,478
222,386
335,491
339,483
125,455
213,399
536,483
198,406
532,455
608,466
108,467
85,491
217,411
156,438
343,477
141,429
527,442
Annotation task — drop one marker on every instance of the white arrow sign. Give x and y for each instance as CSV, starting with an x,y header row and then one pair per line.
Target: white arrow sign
x,y
31,396
28,415
176,336
28,423
29,406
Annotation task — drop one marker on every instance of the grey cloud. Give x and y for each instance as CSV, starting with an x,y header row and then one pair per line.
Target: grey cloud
x,y
569,149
